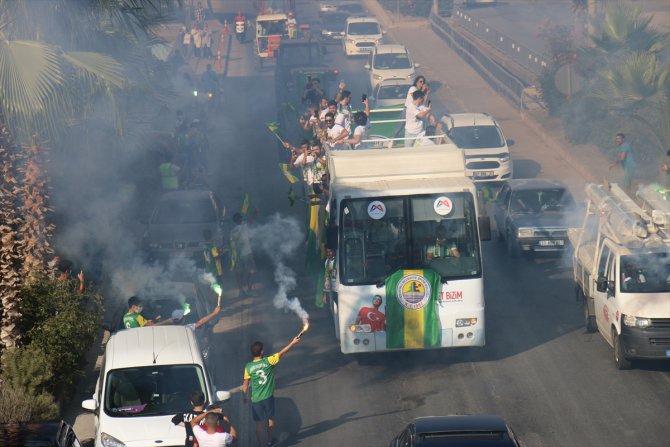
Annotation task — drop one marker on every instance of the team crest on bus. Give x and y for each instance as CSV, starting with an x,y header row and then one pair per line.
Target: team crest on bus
x,y
443,205
413,292
376,210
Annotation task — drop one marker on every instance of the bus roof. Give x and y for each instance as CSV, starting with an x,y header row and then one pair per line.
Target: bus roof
x,y
401,171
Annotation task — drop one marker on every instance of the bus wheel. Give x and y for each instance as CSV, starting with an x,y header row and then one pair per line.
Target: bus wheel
x,y
619,356
336,323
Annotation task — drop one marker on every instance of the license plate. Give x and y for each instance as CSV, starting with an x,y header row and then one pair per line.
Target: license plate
x,y
551,243
482,173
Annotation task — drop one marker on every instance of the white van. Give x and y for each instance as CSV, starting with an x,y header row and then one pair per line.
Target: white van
x,y
147,376
361,34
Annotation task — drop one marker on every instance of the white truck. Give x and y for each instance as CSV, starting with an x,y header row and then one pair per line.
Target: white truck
x,y
621,267
406,224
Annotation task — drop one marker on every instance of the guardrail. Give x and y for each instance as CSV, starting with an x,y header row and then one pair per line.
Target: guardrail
x,y
522,55
497,76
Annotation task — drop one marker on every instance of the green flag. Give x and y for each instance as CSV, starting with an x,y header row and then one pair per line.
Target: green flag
x,y
286,170
412,321
273,127
246,204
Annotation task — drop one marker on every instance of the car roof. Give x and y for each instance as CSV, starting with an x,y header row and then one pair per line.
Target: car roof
x,y
472,119
535,183
362,19
151,345
390,48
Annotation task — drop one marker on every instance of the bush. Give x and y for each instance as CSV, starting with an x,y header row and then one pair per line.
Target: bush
x,y
23,395
63,324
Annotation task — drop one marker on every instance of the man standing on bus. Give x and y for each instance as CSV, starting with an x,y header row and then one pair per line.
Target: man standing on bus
x,y
260,373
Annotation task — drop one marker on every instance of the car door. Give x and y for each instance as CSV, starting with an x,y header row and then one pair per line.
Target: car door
x,y
403,439
501,208
602,311
66,436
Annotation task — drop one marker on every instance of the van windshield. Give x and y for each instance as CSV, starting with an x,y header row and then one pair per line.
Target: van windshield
x,y
156,390
477,137
364,29
648,273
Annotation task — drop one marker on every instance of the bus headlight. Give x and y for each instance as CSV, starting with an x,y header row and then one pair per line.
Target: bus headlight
x,y
632,321
524,232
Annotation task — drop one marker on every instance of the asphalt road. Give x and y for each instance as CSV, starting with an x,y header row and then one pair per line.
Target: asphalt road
x,y
555,384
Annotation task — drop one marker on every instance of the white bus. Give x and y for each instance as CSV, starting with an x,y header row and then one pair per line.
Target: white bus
x,y
407,227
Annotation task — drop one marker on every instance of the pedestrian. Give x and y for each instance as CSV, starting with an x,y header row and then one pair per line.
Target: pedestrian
x,y
291,26
169,174
185,417
187,41
133,318
206,43
666,173
419,84
259,373
414,117
626,159
330,277
197,41
212,256
335,132
211,434
242,257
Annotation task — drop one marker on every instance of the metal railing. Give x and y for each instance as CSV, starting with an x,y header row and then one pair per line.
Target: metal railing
x,y
511,49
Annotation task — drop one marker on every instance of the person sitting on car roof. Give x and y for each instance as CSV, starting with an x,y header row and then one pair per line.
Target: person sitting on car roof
x,y
133,318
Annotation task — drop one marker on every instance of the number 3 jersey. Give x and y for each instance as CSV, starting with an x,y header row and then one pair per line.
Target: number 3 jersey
x,y
262,376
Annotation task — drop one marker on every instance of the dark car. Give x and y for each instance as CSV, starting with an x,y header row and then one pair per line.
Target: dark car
x,y
39,434
533,215
457,431
332,26
177,224
195,299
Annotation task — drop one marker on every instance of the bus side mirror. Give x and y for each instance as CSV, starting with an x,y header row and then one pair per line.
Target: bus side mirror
x,y
331,237
484,224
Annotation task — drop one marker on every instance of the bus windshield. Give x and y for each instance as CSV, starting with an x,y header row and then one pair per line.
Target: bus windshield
x,y
382,235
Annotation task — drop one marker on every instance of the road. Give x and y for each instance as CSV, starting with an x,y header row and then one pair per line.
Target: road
x,y
555,384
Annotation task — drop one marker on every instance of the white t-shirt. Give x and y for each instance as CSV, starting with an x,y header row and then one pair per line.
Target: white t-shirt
x,y
333,133
217,439
322,113
412,123
409,100
363,132
343,117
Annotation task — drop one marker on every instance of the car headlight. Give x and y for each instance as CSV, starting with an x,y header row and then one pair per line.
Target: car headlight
x,y
503,158
377,77
631,321
195,93
524,232
110,441
410,76
351,41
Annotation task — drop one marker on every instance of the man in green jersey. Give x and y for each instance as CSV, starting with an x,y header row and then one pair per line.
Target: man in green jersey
x,y
260,373
133,318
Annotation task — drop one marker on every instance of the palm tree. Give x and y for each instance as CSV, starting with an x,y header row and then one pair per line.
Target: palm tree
x,y
638,89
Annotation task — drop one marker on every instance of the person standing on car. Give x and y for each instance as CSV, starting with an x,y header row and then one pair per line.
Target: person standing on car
x,y
259,373
184,418
211,434
133,318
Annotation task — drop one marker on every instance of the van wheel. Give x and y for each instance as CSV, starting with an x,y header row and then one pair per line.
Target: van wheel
x,y
619,356
589,320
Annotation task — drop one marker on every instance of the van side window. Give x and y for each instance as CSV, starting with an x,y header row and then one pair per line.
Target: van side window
x,y
602,263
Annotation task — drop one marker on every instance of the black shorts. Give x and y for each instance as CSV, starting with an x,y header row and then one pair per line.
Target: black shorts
x,y
264,409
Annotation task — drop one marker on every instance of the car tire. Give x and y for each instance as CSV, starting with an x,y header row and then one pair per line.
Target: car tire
x,y
513,249
589,320
620,359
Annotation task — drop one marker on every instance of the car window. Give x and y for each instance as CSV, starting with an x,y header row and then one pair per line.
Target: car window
x,y
392,61
185,212
476,137
363,28
538,200
152,390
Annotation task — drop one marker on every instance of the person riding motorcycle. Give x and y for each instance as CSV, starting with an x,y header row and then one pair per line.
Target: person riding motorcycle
x,y
210,85
240,27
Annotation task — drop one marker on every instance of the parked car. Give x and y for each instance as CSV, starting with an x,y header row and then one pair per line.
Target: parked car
x,y
39,434
457,431
177,223
389,62
147,376
533,215
332,26
361,34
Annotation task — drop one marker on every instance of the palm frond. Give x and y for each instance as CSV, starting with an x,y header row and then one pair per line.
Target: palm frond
x,y
96,66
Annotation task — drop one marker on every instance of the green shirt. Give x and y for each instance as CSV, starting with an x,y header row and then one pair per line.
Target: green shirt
x,y
133,320
262,376
169,177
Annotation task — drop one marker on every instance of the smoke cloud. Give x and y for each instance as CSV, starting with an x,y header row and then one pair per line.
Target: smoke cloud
x,y
279,238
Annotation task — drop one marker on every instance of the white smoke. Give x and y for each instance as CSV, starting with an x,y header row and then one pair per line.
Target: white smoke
x,y
279,239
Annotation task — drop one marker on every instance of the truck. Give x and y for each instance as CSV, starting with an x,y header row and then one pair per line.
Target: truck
x,y
621,270
406,225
